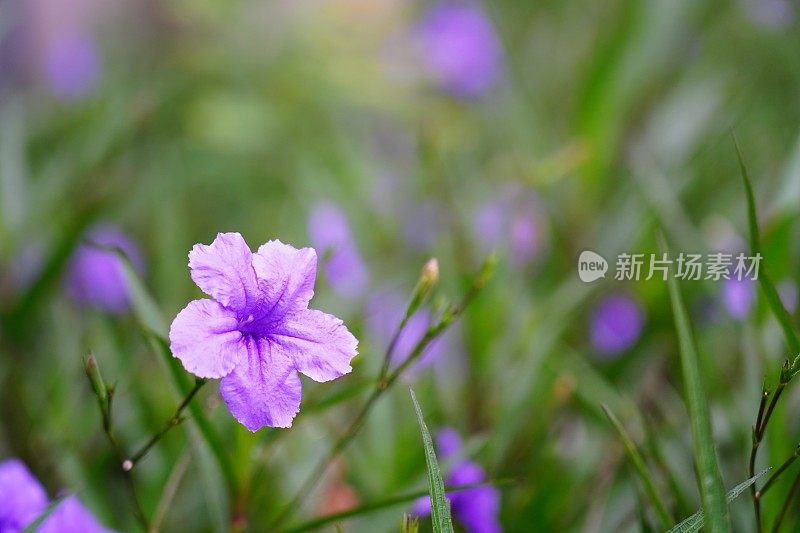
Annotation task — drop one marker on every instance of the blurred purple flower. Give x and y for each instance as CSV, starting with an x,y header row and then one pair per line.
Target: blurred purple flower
x,y
72,66
386,310
330,233
258,333
477,508
96,277
616,324
787,290
738,296
23,500
512,219
460,48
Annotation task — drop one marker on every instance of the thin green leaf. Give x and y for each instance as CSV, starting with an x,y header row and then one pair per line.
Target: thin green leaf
x,y
152,321
768,288
698,519
144,307
33,526
381,505
712,491
440,506
215,444
641,469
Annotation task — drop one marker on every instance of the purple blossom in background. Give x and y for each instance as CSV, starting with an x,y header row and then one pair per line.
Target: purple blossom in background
x,y
477,509
96,277
385,312
72,66
738,296
460,49
512,220
258,333
24,499
616,325
330,233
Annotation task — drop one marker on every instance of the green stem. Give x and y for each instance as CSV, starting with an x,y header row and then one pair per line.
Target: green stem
x,y
169,424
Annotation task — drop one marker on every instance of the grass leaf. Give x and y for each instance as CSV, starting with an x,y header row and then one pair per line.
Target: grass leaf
x,y
33,526
440,506
712,491
698,519
770,292
641,469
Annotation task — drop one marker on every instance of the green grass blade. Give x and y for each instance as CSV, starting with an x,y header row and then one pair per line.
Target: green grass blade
x,y
712,491
33,526
641,469
380,505
768,288
152,320
697,520
440,506
210,435
144,307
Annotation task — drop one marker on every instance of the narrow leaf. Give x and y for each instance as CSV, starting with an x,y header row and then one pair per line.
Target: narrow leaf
x,y
712,491
440,506
641,469
33,526
768,288
697,520
381,505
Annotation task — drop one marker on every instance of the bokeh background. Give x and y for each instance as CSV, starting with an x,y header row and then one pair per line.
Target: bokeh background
x,y
384,133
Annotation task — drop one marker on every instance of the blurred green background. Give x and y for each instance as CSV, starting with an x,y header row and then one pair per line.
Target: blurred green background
x,y
603,121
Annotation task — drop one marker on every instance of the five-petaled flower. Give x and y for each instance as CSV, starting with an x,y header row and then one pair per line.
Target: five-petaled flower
x,y
258,332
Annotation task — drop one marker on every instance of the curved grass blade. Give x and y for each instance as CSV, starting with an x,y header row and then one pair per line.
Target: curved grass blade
x,y
152,321
33,526
697,520
381,505
768,288
440,506
641,469
712,491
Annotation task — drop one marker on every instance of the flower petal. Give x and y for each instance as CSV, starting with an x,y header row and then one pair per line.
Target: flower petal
x,y
264,389
287,275
476,508
224,271
22,498
71,517
204,337
319,344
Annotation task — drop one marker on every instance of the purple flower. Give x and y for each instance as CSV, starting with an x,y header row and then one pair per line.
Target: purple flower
x,y
477,508
23,500
258,332
616,324
72,66
738,296
96,277
460,49
330,233
512,220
